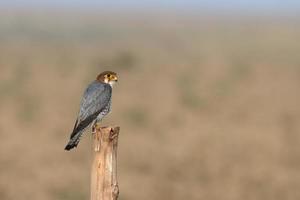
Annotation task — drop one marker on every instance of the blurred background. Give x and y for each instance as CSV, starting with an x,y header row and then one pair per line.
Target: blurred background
x,y
207,99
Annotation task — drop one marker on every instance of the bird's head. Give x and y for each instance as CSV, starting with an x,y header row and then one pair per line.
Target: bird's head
x,y
108,77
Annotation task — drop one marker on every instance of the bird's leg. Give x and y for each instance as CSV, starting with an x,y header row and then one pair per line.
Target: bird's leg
x,y
94,126
97,137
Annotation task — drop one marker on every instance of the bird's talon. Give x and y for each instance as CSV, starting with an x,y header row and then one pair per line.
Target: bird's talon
x,y
113,134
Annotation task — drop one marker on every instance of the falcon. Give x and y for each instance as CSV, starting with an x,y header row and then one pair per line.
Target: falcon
x,y
94,106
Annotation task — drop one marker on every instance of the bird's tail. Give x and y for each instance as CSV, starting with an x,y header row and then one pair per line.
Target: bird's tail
x,y
74,140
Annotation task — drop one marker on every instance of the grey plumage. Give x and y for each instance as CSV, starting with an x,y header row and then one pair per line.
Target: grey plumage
x,y
95,104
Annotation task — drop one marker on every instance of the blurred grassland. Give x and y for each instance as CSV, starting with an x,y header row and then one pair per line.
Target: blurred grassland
x,y
208,105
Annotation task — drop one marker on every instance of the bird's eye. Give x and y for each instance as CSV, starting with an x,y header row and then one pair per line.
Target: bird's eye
x,y
108,75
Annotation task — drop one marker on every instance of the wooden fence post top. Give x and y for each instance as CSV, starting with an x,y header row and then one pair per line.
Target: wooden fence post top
x,y
107,128
104,185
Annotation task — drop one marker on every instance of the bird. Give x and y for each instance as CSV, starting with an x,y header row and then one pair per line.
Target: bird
x,y
95,105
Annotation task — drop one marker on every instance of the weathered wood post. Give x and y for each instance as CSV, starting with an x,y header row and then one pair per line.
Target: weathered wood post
x,y
104,184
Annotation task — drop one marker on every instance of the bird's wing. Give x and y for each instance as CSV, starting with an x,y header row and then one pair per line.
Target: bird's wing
x,y
95,98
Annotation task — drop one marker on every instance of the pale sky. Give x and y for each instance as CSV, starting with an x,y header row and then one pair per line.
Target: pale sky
x,y
237,5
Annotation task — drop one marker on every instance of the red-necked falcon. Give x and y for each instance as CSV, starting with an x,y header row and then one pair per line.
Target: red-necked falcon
x,y
95,104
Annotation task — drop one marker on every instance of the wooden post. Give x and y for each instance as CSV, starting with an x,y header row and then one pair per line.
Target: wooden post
x,y
104,185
